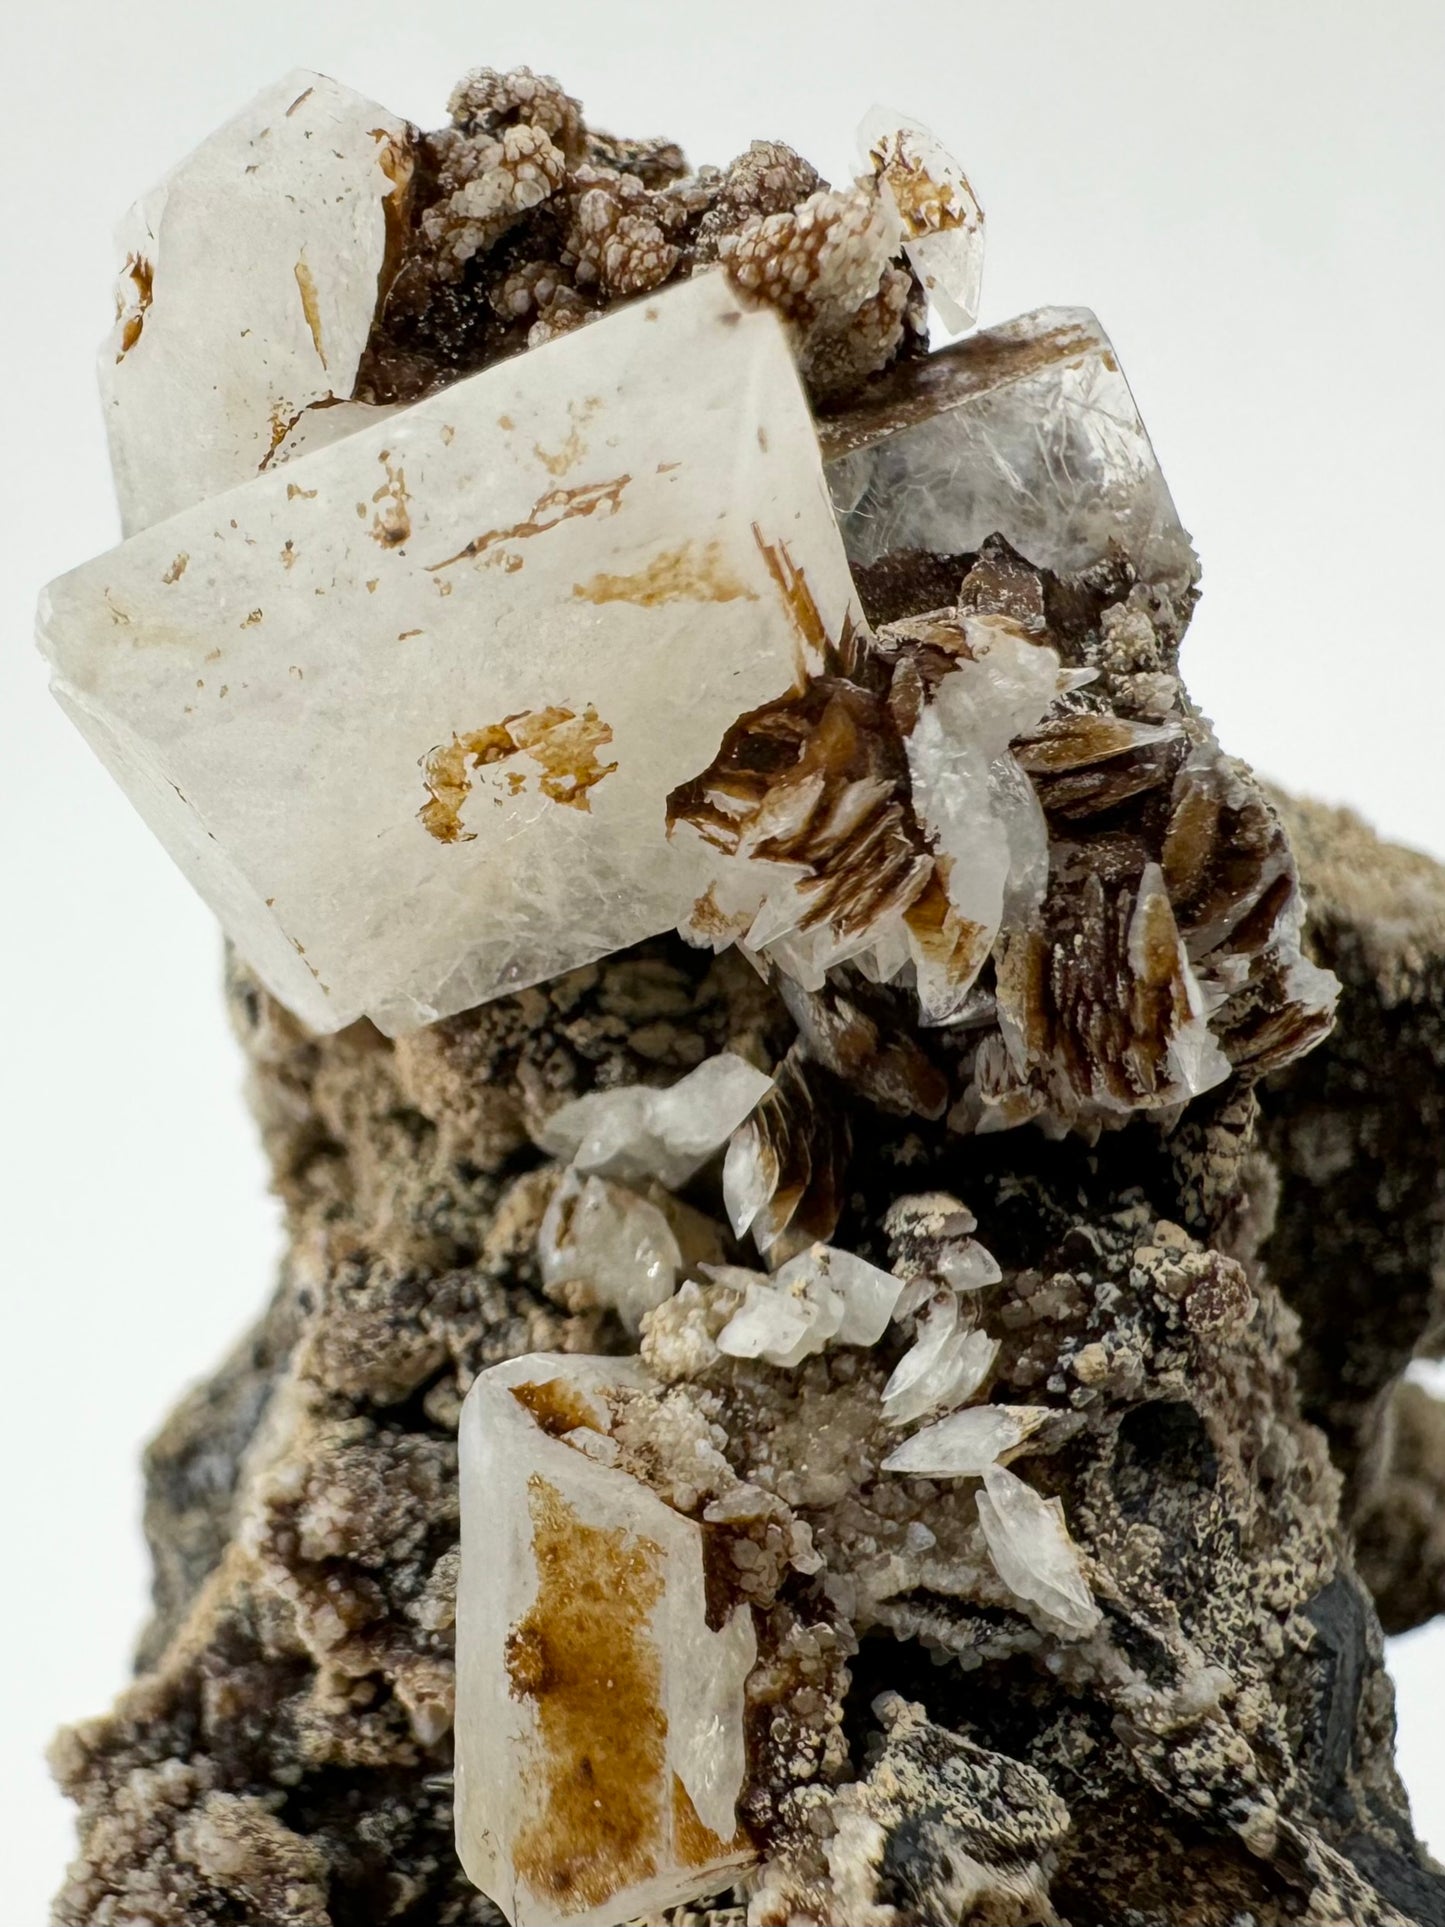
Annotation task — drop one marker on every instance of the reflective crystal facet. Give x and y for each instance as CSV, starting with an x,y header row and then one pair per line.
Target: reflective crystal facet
x,y
942,221
821,1297
619,1246
249,285
599,1727
408,710
1028,431
965,1444
1036,1559
635,1132
946,1364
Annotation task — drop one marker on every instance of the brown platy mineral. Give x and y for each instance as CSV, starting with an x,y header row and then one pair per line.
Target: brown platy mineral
x,y
860,1194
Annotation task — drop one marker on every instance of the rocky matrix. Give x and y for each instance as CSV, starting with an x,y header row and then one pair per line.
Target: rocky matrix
x,y
869,1392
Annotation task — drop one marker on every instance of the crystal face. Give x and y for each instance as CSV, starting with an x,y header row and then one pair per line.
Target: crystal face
x,y
1027,431
600,1746
941,219
251,279
407,711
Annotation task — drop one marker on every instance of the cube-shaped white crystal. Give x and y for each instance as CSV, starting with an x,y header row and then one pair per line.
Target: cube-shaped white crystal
x,y
1028,431
407,711
599,1727
249,283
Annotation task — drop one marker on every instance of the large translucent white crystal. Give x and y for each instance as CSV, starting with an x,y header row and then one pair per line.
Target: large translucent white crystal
x,y
942,221
822,1296
1036,1559
599,1726
618,1245
408,710
965,1444
250,281
946,1364
1028,431
636,1132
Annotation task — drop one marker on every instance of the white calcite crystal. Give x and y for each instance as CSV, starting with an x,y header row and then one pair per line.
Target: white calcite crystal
x,y
636,1132
948,1362
1036,1559
408,710
251,278
941,219
823,1296
1028,431
617,1245
599,1725
965,1444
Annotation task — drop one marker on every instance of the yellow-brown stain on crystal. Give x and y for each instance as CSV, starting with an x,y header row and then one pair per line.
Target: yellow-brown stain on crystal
x,y
177,569
557,505
310,306
691,572
391,525
693,1843
925,204
130,310
585,1658
558,461
562,744
557,1406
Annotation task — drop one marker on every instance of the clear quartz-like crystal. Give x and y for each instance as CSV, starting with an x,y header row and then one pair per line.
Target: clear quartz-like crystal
x,y
408,710
599,1726
822,1296
1036,1559
250,281
941,219
636,1132
946,1364
616,1244
965,1444
1028,431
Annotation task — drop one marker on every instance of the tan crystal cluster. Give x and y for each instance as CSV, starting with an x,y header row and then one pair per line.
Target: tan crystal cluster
x,y
581,550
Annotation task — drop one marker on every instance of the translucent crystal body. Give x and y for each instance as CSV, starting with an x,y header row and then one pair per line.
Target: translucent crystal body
x,y
1028,431
600,1743
941,219
250,282
618,1245
967,1443
822,1296
407,711
1029,1544
637,1133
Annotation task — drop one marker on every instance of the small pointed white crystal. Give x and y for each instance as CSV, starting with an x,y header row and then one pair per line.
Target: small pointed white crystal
x,y
408,711
942,221
821,1296
636,1133
1036,1559
251,279
584,1653
967,1266
965,1444
946,1364
617,1244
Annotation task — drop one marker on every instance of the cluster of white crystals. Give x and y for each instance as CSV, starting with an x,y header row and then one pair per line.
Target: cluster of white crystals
x,y
599,1738
408,709
619,1246
823,1296
1028,431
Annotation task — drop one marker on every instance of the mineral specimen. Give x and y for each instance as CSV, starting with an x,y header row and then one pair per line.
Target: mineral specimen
x,y
600,1748
252,278
754,1620
459,659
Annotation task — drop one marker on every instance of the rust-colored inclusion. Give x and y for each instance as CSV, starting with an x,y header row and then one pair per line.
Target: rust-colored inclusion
x,y
562,744
585,1658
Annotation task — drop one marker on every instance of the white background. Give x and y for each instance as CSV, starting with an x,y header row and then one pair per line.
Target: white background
x,y
1252,195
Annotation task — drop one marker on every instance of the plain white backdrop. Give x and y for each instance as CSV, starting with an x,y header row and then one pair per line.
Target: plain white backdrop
x,y
1251,193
